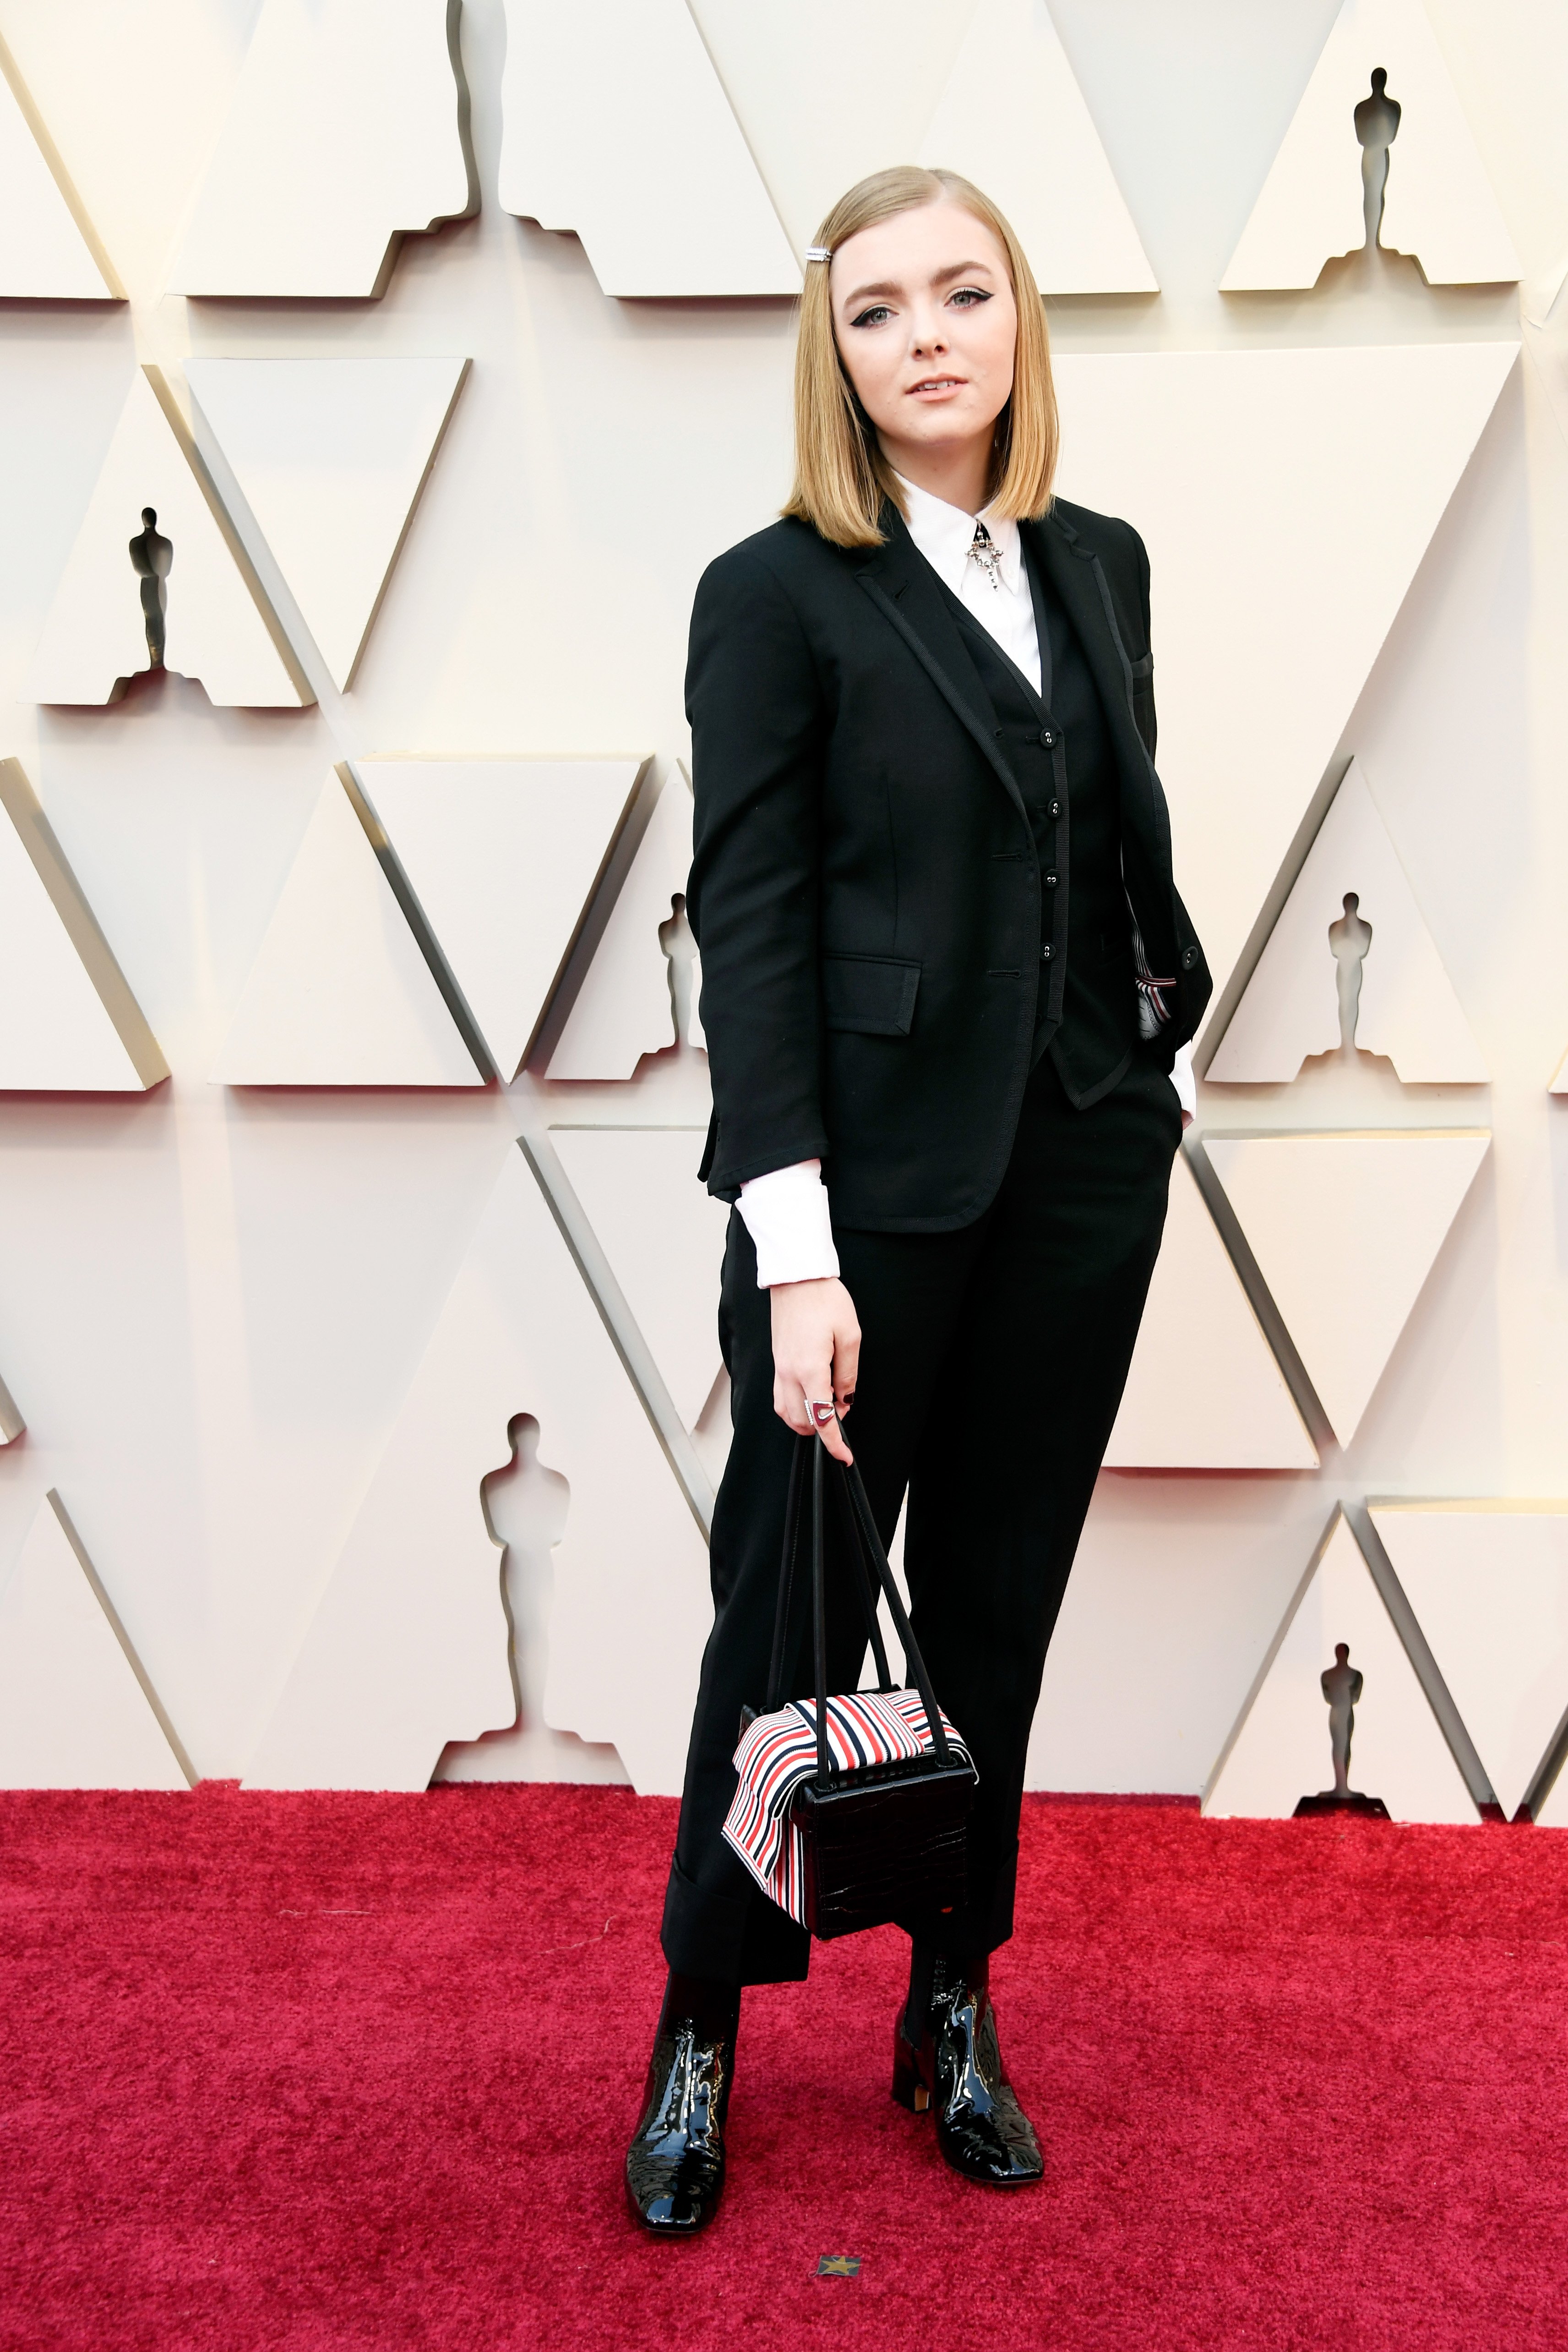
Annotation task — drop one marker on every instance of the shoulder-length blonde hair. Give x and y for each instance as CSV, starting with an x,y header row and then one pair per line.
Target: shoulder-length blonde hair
x,y
841,476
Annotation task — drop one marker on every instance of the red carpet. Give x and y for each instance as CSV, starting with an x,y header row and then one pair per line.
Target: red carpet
x,y
353,2071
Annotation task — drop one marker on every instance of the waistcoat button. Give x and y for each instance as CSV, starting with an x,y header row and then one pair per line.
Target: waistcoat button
x,y
1046,952
1051,881
1047,738
1055,808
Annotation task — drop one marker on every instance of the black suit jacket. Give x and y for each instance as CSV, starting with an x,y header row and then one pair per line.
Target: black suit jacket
x,y
864,887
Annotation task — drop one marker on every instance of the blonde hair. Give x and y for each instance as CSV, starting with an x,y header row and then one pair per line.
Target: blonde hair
x,y
841,476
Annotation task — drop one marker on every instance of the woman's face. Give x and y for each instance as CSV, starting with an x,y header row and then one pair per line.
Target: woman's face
x,y
925,320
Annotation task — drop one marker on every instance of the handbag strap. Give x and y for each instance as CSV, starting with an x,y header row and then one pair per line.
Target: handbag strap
x,y
819,1619
776,1661
865,1588
914,1665
786,1578
870,1570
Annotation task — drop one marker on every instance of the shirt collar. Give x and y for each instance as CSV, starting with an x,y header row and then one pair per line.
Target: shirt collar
x,y
945,534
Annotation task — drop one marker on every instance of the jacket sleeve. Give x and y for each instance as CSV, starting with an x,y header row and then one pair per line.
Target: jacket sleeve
x,y
1195,985
1147,718
758,727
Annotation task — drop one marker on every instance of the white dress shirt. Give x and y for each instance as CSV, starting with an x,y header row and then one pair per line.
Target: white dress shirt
x,y
944,536
785,1211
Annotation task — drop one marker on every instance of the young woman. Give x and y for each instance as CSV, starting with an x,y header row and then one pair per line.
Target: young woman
x,y
946,975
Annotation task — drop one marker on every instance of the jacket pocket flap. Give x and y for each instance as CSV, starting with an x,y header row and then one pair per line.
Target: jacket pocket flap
x,y
870,993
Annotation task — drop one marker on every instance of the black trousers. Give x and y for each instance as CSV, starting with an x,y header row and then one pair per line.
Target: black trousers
x,y
991,1365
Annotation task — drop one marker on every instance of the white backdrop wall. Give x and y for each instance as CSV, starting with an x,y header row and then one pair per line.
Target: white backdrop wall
x,y
215,1301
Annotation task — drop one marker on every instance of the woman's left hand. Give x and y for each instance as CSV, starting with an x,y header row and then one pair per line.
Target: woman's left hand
x,y
816,1355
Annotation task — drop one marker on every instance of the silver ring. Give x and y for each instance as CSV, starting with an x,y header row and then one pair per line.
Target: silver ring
x,y
821,1409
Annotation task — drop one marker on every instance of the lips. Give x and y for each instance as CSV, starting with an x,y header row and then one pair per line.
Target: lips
x,y
938,383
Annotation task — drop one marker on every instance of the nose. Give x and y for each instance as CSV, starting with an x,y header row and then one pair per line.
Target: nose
x,y
927,334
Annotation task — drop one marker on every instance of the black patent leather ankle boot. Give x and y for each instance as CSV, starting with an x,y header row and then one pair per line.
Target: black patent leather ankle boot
x,y
947,2060
675,2165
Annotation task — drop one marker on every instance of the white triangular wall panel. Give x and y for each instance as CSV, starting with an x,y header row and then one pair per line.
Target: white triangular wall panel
x,y
44,256
617,126
68,1023
1439,203
1011,79
1488,1584
1560,1083
1345,1230
332,456
72,1712
11,1422
95,635
1281,1752
339,993
503,856
342,134
1408,1009
1204,1392
1235,466
408,1648
624,1008
1541,298
663,1234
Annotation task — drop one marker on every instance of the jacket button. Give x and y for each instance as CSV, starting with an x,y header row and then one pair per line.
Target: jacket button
x,y
1055,808
1189,957
1051,881
1047,738
1046,952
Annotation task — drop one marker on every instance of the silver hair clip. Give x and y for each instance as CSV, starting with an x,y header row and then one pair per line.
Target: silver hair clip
x,y
819,253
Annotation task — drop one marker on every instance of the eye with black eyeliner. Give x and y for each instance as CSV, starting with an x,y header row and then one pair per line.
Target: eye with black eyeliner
x,y
872,317
968,296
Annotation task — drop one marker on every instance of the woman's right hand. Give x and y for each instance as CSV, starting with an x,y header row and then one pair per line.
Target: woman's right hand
x,y
817,1354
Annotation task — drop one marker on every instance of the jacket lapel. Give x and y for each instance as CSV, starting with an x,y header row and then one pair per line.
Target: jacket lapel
x,y
905,591
1079,579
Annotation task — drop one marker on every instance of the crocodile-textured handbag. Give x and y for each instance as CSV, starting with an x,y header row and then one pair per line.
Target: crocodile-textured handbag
x,y
850,1811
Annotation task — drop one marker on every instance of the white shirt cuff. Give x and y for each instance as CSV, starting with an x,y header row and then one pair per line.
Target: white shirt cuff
x,y
785,1213
1186,1086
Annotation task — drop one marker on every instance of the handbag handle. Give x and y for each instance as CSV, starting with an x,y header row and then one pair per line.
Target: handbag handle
x,y
786,1580
786,1577
866,1547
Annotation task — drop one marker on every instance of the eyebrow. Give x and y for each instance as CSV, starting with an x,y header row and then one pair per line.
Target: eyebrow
x,y
958,269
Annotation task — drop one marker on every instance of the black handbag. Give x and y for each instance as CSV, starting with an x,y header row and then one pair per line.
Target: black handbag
x,y
877,1840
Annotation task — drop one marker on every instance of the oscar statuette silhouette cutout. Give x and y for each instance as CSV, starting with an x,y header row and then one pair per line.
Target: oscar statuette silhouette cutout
x,y
1376,127
680,951
1342,1689
151,560
1350,938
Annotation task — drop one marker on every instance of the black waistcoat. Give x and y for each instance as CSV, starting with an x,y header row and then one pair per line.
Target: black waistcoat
x,y
1060,753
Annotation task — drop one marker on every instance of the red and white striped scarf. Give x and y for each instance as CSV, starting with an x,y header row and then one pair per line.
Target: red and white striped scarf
x,y
778,1751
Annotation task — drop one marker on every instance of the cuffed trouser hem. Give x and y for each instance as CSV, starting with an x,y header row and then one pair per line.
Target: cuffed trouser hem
x,y
975,1928
738,1940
